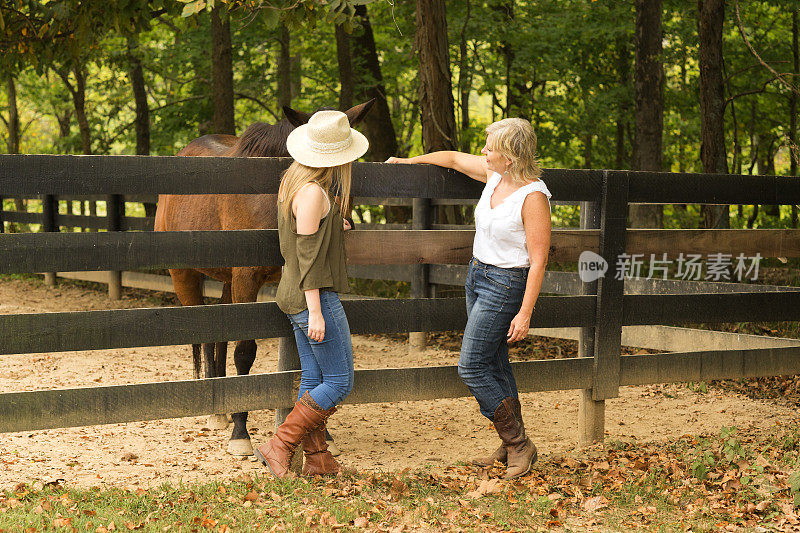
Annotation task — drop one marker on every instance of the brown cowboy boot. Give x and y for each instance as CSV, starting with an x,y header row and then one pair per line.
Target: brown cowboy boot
x,y
318,460
277,453
521,451
500,454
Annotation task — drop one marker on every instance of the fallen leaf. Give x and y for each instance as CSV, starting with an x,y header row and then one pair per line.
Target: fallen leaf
x,y
62,521
594,504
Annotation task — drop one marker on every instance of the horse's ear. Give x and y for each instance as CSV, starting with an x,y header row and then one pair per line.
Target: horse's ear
x,y
295,118
357,113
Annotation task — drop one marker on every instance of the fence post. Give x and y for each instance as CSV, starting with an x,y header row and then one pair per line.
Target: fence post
x,y
115,207
2,221
420,285
49,223
607,342
591,414
289,359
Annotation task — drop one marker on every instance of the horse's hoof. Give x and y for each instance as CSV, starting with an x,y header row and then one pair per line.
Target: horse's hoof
x,y
240,447
217,421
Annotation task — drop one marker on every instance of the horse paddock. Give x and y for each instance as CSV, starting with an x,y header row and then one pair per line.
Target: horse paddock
x,y
373,437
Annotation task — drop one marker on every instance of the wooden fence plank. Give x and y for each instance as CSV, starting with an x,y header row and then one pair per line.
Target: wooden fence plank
x,y
34,410
677,309
26,175
767,242
164,326
685,188
40,252
37,410
82,221
708,365
136,175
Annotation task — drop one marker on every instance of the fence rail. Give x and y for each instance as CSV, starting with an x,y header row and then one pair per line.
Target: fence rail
x,y
601,312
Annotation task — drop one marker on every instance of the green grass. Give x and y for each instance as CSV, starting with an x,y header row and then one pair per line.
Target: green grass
x,y
743,483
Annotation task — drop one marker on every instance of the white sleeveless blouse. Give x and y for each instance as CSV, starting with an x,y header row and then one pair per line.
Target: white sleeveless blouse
x,y
499,233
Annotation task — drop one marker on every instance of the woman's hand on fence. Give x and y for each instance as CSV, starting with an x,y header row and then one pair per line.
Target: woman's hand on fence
x,y
347,225
396,160
519,327
316,326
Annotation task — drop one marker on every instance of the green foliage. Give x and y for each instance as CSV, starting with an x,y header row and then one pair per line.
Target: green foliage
x,y
566,65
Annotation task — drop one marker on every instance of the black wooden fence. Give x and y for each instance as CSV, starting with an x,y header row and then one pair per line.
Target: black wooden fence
x,y
601,312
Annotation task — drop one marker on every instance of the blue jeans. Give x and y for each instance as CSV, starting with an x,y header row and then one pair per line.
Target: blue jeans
x,y
327,365
494,297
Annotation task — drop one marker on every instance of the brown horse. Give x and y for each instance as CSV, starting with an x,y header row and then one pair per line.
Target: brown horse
x,y
231,212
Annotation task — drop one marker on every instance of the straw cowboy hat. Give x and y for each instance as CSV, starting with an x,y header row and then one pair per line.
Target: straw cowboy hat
x,y
326,141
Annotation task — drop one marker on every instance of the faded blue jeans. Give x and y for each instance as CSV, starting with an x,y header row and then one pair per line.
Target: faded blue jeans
x,y
326,366
494,297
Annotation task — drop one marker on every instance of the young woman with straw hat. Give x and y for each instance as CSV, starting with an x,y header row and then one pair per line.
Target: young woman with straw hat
x,y
311,232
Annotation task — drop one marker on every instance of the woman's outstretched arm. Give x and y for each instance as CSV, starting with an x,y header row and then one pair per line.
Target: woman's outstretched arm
x,y
473,166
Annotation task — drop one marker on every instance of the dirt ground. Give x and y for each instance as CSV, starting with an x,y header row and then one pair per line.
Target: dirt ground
x,y
376,437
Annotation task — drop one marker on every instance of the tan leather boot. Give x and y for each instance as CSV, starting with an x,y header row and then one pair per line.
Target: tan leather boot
x,y
318,460
500,454
277,453
521,451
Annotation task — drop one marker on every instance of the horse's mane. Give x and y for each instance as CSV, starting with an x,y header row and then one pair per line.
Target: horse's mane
x,y
263,140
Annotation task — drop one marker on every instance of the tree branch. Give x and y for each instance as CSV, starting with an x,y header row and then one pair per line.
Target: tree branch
x,y
259,102
758,57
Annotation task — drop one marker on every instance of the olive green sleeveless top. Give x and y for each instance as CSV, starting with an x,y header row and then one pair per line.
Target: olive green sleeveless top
x,y
315,261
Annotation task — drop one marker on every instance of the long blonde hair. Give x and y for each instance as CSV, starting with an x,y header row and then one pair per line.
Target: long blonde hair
x,y
334,180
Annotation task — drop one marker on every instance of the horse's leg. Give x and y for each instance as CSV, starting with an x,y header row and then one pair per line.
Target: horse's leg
x,y
188,285
246,284
196,363
221,348
216,355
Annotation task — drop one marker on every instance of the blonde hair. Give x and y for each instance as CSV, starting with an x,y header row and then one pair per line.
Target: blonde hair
x,y
515,139
334,180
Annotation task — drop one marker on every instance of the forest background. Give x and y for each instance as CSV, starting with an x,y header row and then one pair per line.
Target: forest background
x,y
647,85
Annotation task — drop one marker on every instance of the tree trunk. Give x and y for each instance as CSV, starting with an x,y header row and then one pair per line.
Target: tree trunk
x,y
345,69
649,96
296,68
623,69
13,136
435,93
465,83
767,168
284,69
142,121
13,116
377,124
682,208
587,150
712,103
78,93
222,71
794,149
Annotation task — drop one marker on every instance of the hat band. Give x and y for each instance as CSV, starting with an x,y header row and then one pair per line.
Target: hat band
x,y
329,148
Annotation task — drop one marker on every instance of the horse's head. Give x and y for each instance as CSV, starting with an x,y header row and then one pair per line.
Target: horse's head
x,y
269,140
355,114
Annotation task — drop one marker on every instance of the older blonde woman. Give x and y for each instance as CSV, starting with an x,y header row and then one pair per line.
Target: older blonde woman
x,y
512,240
